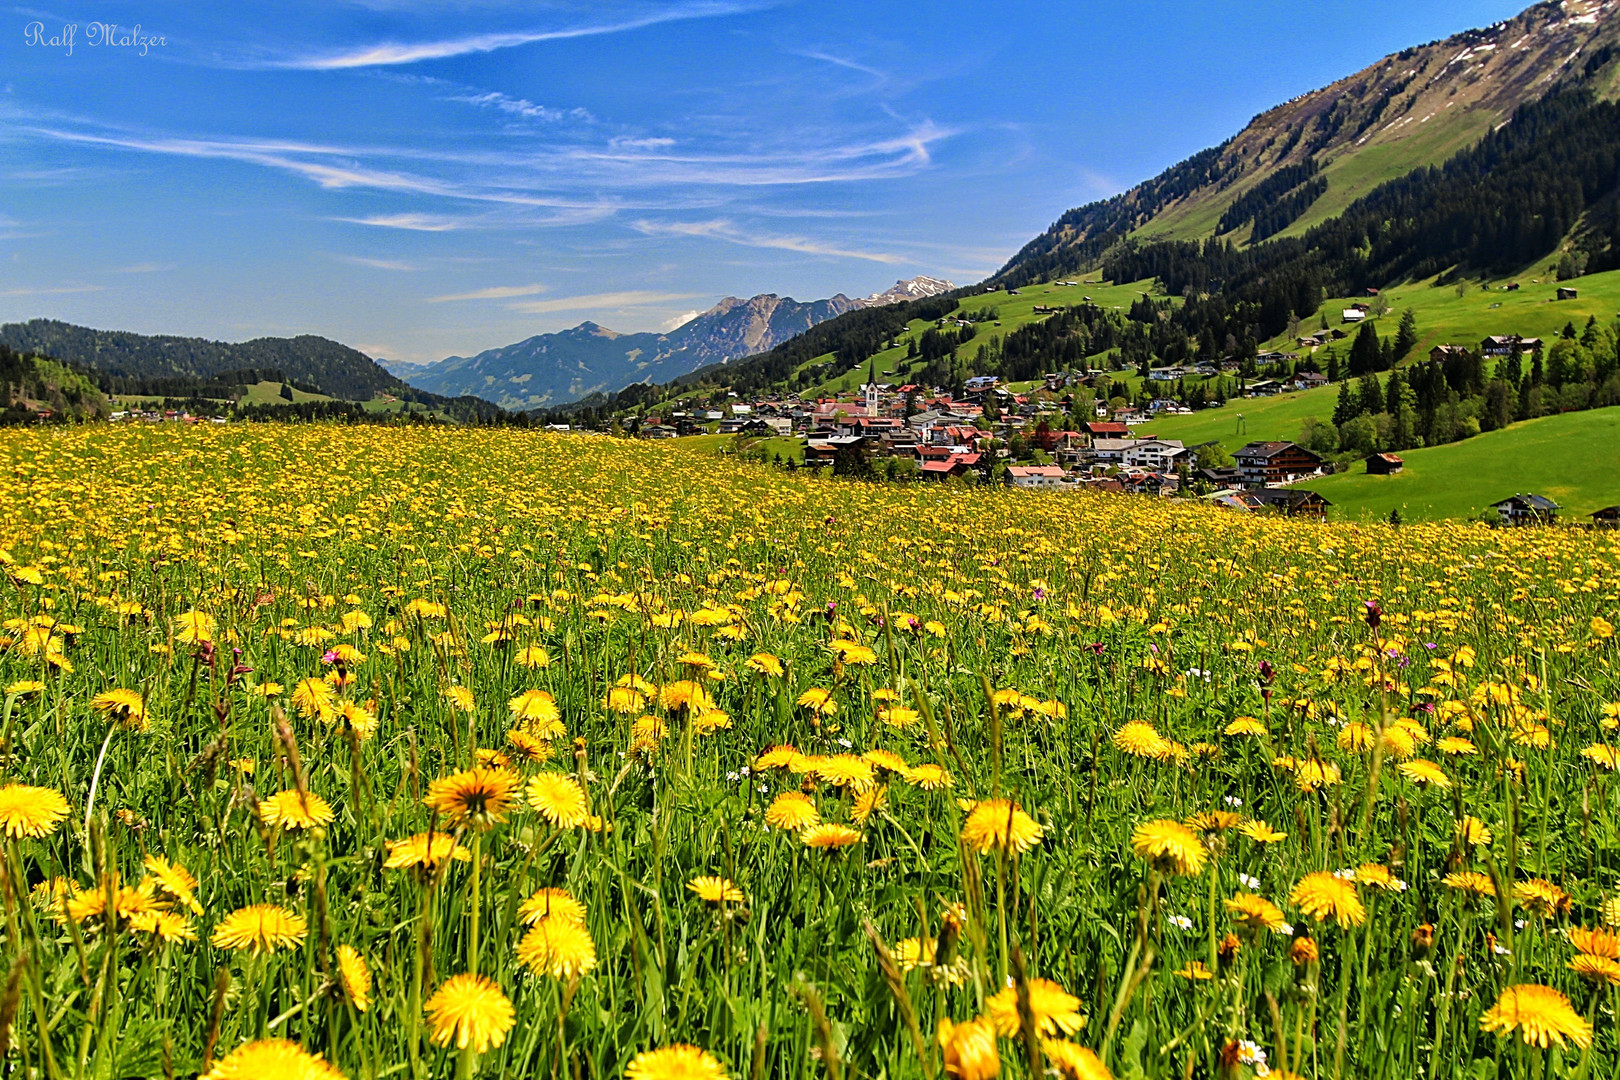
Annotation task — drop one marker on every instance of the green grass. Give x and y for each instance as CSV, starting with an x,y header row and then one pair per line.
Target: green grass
x,y
1573,459
1274,418
1443,317
269,393
1014,312
1073,668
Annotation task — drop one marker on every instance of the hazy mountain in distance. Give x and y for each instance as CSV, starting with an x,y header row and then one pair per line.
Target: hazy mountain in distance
x,y
552,369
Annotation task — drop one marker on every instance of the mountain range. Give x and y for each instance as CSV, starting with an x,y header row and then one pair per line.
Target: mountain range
x,y
557,368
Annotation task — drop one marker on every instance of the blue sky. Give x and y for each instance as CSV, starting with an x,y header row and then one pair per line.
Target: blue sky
x,y
421,179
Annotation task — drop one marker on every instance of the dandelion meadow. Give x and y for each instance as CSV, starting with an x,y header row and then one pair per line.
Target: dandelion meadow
x,y
415,753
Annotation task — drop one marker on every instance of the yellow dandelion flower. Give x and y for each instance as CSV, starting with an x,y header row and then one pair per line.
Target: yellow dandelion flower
x,y
1245,725
624,700
125,707
528,747
1596,969
929,777
476,797
1000,825
194,627
1052,1008
559,947
533,657
1470,881
678,1062
260,928
1324,896
354,976
844,770
279,1058
1541,1015
1598,942
1261,833
969,1049
868,803
1255,914
1541,897
792,810
175,880
716,890
1421,771
470,1011
1170,846
818,701
30,812
559,799
537,713
1142,740
292,810
827,836
424,850
763,663
897,716
551,903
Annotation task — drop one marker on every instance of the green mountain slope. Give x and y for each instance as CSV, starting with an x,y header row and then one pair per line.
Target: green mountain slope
x,y
31,385
1308,160
335,368
1574,459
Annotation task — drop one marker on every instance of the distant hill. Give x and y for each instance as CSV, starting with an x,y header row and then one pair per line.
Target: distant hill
x,y
554,369
88,363
335,369
31,385
1307,161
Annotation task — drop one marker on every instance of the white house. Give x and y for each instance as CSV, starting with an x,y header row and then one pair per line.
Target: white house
x,y
1034,476
1159,455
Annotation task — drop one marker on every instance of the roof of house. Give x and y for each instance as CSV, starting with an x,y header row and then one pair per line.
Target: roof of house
x,y
1034,470
1388,459
1267,449
1287,497
1532,501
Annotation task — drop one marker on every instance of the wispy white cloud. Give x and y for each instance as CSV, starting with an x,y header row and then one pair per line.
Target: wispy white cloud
x,y
144,268
612,300
412,222
392,53
521,107
377,264
727,231
52,290
847,64
335,168
498,292
675,322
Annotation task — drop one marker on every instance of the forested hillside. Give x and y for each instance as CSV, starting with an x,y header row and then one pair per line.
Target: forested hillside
x,y
336,369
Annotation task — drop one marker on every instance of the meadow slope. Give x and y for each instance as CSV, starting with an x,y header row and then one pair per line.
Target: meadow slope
x,y
374,752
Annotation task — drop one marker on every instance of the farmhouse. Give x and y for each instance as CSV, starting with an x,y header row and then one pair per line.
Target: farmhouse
x,y
1607,518
1354,315
1261,464
1292,502
1384,465
1508,345
1569,294
1527,510
1034,476
1442,353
